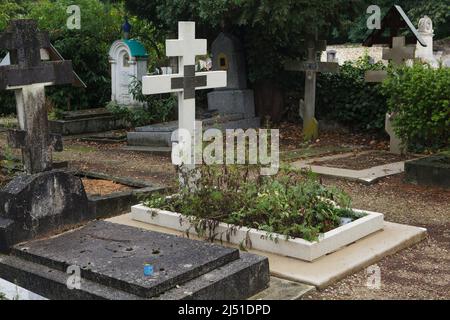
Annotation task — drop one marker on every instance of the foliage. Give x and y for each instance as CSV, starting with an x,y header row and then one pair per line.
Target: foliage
x,y
269,30
290,204
420,98
437,10
349,100
87,48
156,109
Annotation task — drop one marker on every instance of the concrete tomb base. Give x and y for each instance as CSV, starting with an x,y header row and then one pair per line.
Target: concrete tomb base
x,y
111,260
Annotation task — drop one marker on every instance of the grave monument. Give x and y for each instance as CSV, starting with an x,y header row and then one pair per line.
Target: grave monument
x,y
42,200
229,107
128,59
111,258
401,48
235,98
311,67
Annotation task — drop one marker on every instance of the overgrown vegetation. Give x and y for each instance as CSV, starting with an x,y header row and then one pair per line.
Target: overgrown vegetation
x,y
155,109
349,100
419,96
292,205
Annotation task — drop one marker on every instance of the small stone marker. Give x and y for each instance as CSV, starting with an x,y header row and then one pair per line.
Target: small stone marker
x,y
312,66
187,81
28,76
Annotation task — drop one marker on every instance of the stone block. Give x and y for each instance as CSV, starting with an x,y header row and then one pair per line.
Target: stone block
x,y
43,203
232,102
430,171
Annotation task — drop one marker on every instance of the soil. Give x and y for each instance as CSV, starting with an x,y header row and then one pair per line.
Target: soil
x,y
364,161
103,187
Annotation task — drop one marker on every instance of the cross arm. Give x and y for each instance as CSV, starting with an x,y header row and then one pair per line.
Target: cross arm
x,y
159,84
214,79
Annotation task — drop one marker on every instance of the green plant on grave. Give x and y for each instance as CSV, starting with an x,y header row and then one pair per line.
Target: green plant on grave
x,y
289,204
155,109
420,98
347,99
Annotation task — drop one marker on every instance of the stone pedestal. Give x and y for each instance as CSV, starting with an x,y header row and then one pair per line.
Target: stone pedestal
x,y
396,144
35,205
232,101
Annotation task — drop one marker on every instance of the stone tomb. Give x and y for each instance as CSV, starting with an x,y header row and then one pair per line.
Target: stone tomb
x,y
430,171
112,258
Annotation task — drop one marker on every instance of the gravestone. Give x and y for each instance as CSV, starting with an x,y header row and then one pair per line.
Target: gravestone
x,y
311,67
397,55
236,98
111,259
128,59
425,53
42,200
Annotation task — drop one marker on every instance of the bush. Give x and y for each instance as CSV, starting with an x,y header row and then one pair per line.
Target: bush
x,y
420,98
347,99
156,109
290,204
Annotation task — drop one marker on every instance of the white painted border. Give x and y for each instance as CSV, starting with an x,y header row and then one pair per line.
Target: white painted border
x,y
294,248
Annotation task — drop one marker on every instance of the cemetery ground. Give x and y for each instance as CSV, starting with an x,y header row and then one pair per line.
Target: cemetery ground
x,y
419,272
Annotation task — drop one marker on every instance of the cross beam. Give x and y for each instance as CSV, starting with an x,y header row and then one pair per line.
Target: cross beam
x,y
28,76
187,81
24,43
398,54
311,67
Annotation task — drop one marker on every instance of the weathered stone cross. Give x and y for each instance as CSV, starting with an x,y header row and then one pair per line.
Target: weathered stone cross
x,y
28,76
187,81
397,55
311,66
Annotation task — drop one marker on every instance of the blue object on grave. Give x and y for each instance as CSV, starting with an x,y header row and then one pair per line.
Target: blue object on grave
x,y
126,28
148,270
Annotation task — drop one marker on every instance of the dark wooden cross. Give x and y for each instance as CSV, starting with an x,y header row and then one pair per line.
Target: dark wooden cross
x,y
312,66
28,76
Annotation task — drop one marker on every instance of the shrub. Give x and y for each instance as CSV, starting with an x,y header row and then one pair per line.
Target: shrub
x,y
420,98
156,109
347,99
290,204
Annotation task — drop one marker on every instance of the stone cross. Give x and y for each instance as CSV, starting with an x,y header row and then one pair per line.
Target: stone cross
x,y
187,81
311,66
397,55
28,76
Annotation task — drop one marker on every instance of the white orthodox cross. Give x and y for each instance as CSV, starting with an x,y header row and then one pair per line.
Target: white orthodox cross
x,y
187,81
